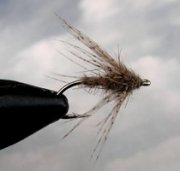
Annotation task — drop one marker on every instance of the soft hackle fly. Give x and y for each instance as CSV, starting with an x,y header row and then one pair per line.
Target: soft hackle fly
x,y
109,75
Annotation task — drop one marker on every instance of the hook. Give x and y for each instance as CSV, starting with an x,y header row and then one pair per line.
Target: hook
x,y
69,85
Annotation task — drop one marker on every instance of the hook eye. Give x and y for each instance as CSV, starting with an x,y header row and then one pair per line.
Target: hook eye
x,y
146,82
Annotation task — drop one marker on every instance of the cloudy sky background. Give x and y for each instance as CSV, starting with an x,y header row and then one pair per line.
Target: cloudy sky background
x,y
146,135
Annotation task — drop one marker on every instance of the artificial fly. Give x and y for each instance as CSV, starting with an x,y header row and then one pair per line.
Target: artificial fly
x,y
110,75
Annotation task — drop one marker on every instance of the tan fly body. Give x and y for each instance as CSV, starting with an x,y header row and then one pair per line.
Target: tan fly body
x,y
111,76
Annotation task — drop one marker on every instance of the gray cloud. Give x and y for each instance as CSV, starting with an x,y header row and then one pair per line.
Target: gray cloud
x,y
143,29
147,31
25,23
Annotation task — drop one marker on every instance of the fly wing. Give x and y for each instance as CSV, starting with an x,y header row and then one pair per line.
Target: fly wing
x,y
91,44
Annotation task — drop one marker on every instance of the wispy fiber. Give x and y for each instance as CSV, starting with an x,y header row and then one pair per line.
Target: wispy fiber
x,y
109,75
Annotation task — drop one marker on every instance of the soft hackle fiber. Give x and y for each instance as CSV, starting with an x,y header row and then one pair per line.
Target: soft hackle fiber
x,y
110,75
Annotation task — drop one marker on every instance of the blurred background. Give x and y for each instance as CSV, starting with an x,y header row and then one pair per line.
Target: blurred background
x,y
146,135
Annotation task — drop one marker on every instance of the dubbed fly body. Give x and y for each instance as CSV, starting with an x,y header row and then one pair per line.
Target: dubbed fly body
x,y
109,75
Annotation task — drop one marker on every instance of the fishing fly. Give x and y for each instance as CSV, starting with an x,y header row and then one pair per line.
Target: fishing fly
x,y
110,76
